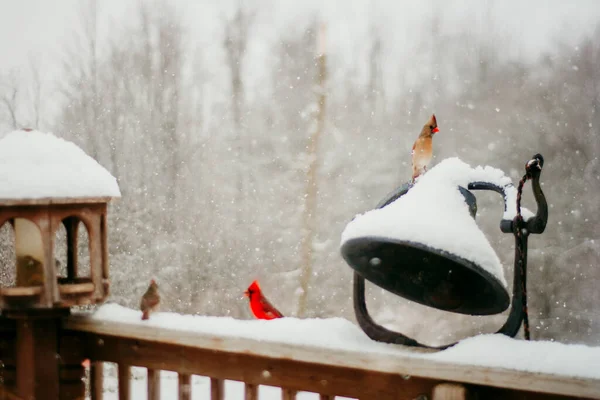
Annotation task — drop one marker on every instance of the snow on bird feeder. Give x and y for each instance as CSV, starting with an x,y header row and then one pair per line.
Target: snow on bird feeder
x,y
422,243
45,182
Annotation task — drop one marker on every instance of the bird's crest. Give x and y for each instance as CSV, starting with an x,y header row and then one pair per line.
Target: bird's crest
x,y
432,121
254,287
432,124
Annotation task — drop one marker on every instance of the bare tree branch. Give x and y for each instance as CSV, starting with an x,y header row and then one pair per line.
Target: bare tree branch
x,y
10,89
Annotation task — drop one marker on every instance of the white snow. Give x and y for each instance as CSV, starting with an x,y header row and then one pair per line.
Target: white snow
x,y
37,165
500,351
568,360
433,212
340,331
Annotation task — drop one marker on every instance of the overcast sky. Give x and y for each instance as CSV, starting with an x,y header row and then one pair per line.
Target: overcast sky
x,y
33,27
39,28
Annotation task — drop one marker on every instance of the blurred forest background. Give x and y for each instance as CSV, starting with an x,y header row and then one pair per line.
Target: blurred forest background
x,y
245,137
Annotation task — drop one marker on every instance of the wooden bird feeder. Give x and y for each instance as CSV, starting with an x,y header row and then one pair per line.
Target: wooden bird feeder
x,y
45,190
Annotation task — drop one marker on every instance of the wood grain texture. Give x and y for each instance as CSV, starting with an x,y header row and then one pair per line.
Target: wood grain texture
x,y
217,389
8,394
249,368
124,381
55,200
153,384
184,386
327,371
251,391
449,391
75,288
49,216
37,364
97,380
288,394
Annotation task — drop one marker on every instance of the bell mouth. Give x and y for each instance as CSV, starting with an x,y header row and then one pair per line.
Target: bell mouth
x,y
428,276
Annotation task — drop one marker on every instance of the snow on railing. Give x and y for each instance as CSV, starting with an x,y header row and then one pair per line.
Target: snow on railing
x,y
353,367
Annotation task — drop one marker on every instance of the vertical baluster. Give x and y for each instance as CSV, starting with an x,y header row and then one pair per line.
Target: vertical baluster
x,y
153,384
97,380
288,394
251,391
185,387
217,389
124,382
449,391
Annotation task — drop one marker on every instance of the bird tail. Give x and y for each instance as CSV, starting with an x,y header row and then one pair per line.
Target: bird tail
x,y
145,315
416,174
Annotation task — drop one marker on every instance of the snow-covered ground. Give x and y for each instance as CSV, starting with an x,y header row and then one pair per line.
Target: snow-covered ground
x,y
566,360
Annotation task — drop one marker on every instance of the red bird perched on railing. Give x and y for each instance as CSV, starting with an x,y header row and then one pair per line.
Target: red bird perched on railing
x,y
422,151
260,306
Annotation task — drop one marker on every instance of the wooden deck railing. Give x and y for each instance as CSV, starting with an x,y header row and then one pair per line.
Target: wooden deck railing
x,y
296,368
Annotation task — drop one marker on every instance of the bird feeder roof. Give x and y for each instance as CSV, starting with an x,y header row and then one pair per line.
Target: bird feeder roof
x,y
40,168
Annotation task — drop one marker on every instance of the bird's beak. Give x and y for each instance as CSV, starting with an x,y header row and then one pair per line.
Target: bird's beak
x,y
246,293
435,130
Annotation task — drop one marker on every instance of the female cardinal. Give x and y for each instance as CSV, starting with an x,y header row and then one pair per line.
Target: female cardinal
x,y
422,151
260,306
150,300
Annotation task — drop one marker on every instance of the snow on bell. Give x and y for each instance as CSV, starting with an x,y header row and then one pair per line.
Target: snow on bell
x,y
422,242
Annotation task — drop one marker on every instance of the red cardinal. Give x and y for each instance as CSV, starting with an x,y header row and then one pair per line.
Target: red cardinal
x,y
150,300
422,150
260,306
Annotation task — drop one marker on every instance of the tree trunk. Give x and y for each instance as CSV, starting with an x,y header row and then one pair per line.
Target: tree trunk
x,y
310,205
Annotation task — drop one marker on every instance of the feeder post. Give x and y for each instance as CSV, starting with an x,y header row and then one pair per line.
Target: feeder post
x,y
37,353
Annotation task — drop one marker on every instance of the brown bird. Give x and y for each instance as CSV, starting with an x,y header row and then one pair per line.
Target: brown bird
x,y
422,150
150,300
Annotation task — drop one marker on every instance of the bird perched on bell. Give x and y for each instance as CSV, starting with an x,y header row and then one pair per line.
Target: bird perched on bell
x,y
150,300
422,150
259,305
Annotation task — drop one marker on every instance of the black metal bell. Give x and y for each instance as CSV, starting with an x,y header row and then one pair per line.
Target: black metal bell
x,y
441,279
428,276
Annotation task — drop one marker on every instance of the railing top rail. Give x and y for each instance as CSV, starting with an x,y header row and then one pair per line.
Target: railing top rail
x,y
393,363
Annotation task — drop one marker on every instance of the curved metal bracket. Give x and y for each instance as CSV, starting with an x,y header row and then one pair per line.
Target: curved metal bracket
x,y
520,228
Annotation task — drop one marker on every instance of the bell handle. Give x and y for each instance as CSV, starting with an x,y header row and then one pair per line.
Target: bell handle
x,y
535,224
505,224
